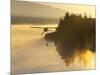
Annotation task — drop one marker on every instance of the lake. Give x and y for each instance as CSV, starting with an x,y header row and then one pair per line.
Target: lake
x,y
30,54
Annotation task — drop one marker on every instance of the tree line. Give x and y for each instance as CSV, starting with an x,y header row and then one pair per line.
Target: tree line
x,y
73,32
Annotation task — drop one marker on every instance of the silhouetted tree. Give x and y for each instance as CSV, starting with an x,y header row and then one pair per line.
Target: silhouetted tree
x,y
73,32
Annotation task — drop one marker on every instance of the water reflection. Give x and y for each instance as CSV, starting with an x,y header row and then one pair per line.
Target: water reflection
x,y
74,40
86,59
80,59
30,53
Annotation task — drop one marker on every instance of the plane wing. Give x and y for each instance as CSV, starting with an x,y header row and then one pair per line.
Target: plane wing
x,y
43,27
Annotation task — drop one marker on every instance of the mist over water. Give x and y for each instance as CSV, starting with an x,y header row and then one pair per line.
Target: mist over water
x,y
51,37
30,54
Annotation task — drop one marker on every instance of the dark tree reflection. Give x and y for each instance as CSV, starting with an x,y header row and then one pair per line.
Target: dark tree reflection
x,y
73,33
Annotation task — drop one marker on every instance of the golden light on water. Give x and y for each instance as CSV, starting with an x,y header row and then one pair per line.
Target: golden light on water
x,y
30,52
88,59
84,60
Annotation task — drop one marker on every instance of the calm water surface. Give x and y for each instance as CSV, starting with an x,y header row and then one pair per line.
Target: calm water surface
x,y
30,53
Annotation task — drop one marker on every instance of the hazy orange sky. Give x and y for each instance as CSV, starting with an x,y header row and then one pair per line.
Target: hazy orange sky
x,y
78,9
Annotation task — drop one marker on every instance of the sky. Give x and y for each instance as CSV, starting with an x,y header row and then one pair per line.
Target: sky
x,y
73,8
